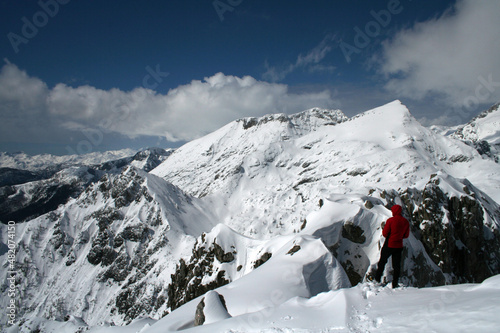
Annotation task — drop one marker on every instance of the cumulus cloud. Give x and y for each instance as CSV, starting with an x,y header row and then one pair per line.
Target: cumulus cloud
x,y
22,105
454,56
184,113
311,62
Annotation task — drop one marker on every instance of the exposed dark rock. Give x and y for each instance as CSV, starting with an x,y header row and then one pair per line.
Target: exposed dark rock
x,y
199,317
265,257
357,172
352,274
249,122
303,225
221,255
353,233
106,216
294,250
134,233
452,231
119,269
101,251
134,301
187,280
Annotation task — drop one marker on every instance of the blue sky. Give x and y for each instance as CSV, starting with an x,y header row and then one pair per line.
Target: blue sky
x,y
83,76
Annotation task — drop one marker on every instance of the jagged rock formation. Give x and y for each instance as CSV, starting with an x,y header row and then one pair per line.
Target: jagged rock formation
x,y
456,231
112,236
200,274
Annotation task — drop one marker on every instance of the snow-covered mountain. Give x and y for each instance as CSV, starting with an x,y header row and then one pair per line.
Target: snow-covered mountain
x,y
279,215
23,161
483,132
26,194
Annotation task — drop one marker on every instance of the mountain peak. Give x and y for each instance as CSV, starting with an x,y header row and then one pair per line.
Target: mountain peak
x,y
313,117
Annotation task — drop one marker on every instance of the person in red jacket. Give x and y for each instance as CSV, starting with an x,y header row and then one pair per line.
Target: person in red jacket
x,y
395,230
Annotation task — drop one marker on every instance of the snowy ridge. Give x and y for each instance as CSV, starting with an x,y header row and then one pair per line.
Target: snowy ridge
x,y
280,215
282,175
483,133
123,228
483,127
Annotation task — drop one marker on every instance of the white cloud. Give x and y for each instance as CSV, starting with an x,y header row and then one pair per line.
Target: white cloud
x,y
23,108
455,56
310,61
184,113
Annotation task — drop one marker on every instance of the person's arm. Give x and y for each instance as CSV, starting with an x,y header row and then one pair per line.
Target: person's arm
x,y
387,229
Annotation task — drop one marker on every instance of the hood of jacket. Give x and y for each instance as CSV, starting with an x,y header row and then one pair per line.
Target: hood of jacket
x,y
396,210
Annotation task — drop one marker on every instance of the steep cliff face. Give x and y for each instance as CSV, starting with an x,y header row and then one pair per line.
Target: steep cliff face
x,y
458,230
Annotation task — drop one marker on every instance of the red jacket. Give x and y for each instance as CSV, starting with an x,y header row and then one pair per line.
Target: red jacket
x,y
396,228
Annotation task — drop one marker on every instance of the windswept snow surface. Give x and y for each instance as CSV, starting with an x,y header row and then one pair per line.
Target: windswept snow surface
x,y
364,308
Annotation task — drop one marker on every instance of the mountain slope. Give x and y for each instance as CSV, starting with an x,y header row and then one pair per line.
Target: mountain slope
x,y
483,132
232,210
105,251
381,157
26,194
282,175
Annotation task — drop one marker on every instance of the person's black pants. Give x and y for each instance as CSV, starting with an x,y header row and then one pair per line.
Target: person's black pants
x,y
396,263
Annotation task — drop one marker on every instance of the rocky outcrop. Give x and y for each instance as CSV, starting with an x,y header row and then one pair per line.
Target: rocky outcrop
x,y
454,232
212,308
190,278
